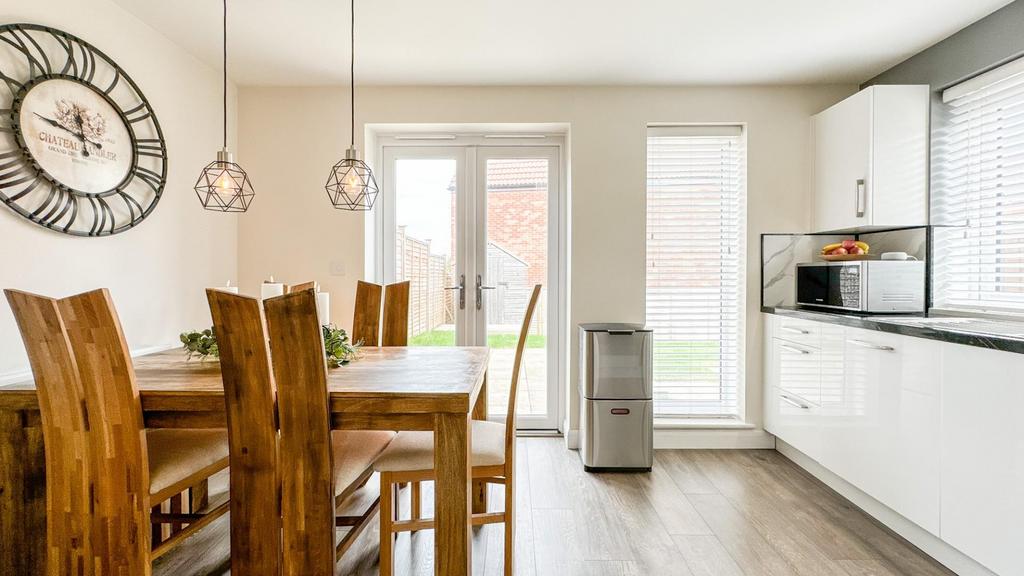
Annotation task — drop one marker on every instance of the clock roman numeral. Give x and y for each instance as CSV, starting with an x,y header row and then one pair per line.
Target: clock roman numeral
x,y
132,204
151,147
155,181
33,62
101,212
138,114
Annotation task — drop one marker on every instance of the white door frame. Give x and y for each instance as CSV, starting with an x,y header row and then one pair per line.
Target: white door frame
x,y
470,152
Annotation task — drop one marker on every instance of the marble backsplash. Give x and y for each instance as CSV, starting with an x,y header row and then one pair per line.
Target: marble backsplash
x,y
913,241
780,253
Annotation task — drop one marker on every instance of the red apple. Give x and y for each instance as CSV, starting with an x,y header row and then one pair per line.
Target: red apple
x,y
849,244
856,250
840,251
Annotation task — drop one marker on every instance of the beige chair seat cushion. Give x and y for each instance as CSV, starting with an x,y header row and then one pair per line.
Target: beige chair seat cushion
x,y
354,452
411,451
176,455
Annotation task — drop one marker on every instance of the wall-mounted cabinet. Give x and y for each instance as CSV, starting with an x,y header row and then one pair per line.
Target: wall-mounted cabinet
x,y
871,160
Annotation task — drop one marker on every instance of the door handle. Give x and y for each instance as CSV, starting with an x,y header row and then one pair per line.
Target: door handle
x,y
794,330
480,291
869,345
861,198
462,291
794,403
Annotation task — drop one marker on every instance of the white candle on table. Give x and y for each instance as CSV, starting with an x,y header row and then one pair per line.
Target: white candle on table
x,y
269,289
323,308
229,288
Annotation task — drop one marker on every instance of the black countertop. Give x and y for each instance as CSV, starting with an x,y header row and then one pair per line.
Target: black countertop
x,y
1004,335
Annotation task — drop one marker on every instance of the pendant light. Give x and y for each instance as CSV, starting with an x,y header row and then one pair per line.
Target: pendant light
x,y
223,186
351,185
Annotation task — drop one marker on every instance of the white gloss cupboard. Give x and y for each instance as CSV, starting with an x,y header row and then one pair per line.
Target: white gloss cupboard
x,y
931,430
983,455
881,428
871,160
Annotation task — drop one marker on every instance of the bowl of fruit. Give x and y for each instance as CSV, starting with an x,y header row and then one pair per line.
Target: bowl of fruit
x,y
846,250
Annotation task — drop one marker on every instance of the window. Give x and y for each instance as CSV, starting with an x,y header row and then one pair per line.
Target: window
x,y
696,233
978,194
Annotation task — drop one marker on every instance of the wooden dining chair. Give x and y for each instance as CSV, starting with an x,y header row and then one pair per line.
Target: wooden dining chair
x,y
129,469
395,331
410,458
301,287
61,398
366,317
315,469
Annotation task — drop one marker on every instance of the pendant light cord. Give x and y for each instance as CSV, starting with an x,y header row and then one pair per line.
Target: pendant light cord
x,y
352,72
225,74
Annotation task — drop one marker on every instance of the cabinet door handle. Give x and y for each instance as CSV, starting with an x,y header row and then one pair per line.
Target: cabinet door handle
x,y
794,349
794,403
871,346
794,330
861,197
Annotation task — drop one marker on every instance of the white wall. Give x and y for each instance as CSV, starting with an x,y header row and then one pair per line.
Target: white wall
x,y
290,137
156,271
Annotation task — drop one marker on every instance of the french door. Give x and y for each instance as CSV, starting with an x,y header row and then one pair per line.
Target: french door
x,y
474,228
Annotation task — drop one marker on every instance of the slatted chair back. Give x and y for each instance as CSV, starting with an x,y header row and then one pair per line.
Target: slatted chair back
x,y
61,407
119,468
366,317
250,398
307,471
396,314
517,364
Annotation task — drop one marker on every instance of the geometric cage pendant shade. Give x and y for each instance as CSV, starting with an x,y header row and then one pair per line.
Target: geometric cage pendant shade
x,y
224,186
351,185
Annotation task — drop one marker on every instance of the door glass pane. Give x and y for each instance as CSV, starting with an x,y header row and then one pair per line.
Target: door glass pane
x,y
425,247
517,259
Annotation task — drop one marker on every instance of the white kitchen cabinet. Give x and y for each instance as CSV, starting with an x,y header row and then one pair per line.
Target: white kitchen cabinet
x,y
983,455
793,379
880,430
870,160
798,331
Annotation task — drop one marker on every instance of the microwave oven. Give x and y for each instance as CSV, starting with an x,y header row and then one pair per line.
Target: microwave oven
x,y
892,286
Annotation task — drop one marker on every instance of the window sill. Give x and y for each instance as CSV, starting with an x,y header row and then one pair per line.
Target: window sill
x,y
701,424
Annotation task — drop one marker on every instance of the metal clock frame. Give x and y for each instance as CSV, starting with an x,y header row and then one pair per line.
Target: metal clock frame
x,y
18,167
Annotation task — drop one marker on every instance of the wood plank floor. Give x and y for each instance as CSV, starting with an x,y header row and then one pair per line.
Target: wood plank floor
x,y
699,513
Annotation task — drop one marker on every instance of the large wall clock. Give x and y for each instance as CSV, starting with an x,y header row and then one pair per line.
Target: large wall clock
x,y
81,151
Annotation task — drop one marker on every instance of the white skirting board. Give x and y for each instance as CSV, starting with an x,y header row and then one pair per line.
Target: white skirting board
x,y
697,438
572,439
712,438
929,543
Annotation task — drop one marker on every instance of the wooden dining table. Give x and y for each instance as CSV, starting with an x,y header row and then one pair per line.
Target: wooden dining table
x,y
437,389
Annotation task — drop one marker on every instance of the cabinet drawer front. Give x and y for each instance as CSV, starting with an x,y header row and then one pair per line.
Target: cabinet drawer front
x,y
799,371
798,331
796,421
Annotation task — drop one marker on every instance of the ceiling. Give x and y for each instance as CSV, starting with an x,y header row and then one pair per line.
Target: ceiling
x,y
561,42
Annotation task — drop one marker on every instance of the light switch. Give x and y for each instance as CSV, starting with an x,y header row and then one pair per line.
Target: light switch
x,y
337,268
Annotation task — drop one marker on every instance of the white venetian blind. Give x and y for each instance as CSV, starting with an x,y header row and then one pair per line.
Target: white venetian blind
x,y
696,200
978,194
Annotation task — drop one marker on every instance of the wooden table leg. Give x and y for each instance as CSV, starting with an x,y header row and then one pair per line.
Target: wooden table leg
x,y
479,486
452,546
22,495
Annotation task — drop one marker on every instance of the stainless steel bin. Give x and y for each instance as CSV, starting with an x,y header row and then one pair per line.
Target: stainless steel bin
x,y
616,387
